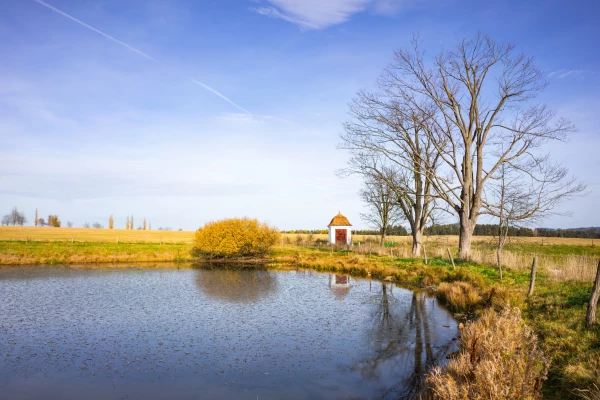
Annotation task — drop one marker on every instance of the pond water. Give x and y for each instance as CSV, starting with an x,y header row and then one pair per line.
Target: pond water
x,y
154,333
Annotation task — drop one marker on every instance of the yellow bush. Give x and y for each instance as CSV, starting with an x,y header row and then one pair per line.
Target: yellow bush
x,y
235,237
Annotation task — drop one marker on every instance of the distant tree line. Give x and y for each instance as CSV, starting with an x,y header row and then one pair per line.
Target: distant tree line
x,y
587,233
15,217
307,231
396,230
492,230
480,230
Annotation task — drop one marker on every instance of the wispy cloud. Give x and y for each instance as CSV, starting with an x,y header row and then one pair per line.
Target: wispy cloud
x,y
137,51
313,14
320,14
565,73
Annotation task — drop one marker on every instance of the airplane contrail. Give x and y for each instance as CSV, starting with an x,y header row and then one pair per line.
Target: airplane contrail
x,y
139,52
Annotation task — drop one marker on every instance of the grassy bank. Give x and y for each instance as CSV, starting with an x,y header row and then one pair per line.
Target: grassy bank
x,y
23,253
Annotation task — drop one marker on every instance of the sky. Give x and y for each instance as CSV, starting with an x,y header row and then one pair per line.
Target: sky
x,y
184,112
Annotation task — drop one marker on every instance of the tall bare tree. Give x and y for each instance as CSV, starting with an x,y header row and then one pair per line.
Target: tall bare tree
x,y
482,93
388,141
382,207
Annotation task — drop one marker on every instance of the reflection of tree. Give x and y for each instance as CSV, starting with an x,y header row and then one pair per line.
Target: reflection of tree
x,y
236,285
401,338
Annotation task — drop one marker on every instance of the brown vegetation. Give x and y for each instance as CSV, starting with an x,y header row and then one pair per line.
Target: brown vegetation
x,y
498,359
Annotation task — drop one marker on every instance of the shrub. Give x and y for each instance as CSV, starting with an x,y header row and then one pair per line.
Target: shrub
x,y
498,359
235,237
459,296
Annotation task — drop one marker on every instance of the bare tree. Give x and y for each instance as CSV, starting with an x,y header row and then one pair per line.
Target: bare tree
x,y
382,207
86,225
97,225
36,219
111,222
482,94
69,224
41,221
15,217
520,199
388,140
144,225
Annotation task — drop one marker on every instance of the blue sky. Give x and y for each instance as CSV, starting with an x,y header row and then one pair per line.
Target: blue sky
x,y
90,127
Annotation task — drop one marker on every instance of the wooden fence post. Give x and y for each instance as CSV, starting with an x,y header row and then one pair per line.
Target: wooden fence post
x,y
451,259
532,276
424,253
590,317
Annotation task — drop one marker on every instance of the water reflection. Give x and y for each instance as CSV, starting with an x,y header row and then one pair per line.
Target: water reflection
x,y
187,334
340,285
238,285
402,341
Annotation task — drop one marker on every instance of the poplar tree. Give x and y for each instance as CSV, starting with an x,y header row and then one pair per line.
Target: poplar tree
x,y
127,223
144,224
131,222
111,222
36,220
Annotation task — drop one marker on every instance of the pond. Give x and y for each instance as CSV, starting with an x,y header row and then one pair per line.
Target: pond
x,y
154,333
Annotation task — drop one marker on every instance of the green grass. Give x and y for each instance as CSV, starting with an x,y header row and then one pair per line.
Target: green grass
x,y
555,249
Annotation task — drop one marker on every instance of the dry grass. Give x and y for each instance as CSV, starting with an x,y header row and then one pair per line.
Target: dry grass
x,y
498,359
452,240
459,296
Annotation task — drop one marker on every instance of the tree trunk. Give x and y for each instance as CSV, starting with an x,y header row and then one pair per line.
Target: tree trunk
x,y
417,238
464,241
590,317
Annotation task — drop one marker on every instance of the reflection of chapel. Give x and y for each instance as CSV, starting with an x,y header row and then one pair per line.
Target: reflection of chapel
x,y
340,285
340,230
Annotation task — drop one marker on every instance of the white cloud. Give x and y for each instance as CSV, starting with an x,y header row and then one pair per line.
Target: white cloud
x,y
564,73
315,14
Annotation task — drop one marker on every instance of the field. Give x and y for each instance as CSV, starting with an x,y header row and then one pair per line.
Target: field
x,y
560,258
18,233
